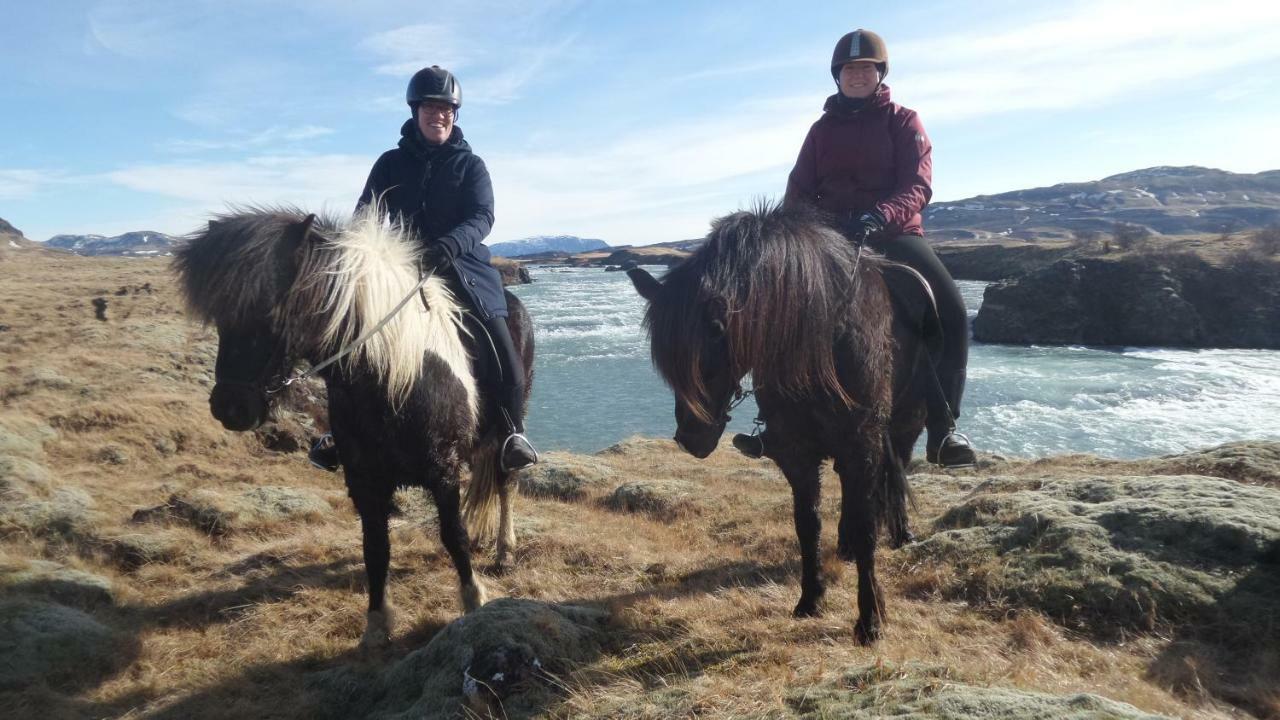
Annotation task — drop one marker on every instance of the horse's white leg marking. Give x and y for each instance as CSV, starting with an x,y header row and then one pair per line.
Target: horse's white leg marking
x,y
377,631
473,595
506,525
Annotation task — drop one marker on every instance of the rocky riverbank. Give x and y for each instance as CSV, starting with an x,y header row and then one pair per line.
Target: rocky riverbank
x,y
1167,300
153,564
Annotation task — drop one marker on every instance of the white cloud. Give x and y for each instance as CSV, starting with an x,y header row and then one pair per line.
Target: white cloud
x,y
1093,53
19,183
270,137
405,50
313,182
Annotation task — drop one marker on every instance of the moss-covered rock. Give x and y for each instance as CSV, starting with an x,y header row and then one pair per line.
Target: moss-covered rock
x,y
41,578
918,692
505,652
561,476
1107,553
662,499
42,641
218,514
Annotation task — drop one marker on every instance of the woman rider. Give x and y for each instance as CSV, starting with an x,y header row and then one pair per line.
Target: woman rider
x,y
442,191
868,161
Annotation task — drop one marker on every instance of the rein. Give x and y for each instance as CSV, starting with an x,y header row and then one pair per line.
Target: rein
x,y
355,344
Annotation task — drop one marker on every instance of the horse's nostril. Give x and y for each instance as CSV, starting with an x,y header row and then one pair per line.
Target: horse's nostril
x,y
681,445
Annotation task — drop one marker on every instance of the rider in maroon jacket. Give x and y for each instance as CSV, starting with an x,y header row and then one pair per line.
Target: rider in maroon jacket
x,y
867,161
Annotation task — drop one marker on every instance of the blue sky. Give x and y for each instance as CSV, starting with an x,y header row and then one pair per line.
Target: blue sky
x,y
630,121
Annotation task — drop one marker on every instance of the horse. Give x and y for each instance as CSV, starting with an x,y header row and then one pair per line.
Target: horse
x,y
282,287
836,364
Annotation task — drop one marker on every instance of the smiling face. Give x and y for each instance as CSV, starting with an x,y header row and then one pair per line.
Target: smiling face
x,y
435,121
859,79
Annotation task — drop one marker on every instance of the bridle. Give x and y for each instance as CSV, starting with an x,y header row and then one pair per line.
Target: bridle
x,y
277,384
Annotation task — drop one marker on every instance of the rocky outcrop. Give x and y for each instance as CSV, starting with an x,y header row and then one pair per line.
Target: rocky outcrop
x,y
512,272
1151,300
993,261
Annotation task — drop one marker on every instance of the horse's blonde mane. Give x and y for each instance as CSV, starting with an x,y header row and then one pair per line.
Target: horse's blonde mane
x,y
356,278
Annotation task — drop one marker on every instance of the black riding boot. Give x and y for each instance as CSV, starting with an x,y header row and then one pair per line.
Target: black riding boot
x,y
944,446
516,451
324,453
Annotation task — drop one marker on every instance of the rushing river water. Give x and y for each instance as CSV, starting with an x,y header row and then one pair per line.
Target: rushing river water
x,y
594,384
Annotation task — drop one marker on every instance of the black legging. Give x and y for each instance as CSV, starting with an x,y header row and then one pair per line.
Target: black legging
x,y
914,251
510,386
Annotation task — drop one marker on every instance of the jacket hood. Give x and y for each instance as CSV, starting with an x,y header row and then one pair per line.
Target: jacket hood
x,y
842,106
411,140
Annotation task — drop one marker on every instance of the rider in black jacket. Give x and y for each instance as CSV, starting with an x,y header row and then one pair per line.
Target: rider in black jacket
x,y
442,192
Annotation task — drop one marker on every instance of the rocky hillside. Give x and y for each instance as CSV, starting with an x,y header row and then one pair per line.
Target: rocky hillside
x,y
1168,200
1167,300
155,565
132,244
546,244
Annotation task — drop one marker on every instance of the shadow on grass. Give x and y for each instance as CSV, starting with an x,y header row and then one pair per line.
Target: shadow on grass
x,y
347,684
1233,653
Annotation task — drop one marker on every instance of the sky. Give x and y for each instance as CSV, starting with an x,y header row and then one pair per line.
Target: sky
x,y
629,121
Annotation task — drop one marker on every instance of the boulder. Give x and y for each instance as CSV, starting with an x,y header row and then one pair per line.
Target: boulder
x,y
662,499
1105,555
54,581
919,692
1167,300
44,642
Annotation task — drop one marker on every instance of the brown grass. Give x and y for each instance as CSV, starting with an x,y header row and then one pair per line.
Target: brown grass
x,y
236,624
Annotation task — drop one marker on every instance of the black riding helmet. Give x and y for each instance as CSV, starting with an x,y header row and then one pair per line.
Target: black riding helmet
x,y
859,45
433,83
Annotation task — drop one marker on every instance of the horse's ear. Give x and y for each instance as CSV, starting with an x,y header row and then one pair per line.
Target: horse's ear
x,y
306,224
646,284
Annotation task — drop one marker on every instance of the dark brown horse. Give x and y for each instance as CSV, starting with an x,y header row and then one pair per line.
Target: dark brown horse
x,y
283,287
834,361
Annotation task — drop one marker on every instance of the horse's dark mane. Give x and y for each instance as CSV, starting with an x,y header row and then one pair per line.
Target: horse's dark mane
x,y
232,270
780,281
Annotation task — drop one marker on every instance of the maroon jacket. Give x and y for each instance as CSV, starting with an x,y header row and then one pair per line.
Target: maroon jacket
x,y
874,158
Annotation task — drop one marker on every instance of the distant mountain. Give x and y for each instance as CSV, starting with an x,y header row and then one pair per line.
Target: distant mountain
x,y
544,244
7,229
141,243
1168,200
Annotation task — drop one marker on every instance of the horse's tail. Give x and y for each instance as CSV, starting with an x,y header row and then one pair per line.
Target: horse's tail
x,y
895,495
482,493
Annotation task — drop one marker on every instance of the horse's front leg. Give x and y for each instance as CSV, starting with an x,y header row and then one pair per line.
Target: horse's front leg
x,y
377,558
453,534
506,524
859,526
806,494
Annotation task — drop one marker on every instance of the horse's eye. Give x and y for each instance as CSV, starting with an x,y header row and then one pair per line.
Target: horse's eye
x,y
717,328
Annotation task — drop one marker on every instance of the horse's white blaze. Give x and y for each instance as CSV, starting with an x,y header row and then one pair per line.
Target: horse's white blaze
x,y
376,268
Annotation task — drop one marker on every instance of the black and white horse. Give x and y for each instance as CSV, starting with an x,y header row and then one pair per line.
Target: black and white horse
x,y
405,406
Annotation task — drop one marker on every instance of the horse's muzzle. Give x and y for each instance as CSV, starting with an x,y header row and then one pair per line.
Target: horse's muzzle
x,y
237,409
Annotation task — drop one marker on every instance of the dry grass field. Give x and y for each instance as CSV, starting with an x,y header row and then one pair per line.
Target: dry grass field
x,y
153,564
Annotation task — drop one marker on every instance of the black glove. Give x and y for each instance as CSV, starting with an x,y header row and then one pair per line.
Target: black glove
x,y
437,258
859,228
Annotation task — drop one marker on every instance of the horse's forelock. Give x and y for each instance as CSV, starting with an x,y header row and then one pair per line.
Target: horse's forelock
x,y
232,270
784,279
677,332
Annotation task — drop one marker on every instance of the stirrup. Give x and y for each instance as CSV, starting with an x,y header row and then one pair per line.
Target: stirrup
x,y
521,462
324,453
962,448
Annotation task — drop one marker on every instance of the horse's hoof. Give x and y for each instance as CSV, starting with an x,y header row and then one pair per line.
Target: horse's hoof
x,y
902,539
867,632
806,608
473,595
377,631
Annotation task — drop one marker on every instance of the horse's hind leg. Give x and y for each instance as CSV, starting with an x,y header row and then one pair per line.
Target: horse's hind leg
x,y
806,494
453,534
377,558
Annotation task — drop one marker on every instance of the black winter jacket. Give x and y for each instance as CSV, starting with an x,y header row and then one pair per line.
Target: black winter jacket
x,y
444,194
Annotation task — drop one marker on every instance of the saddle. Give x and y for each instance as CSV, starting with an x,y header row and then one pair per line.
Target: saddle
x,y
913,298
